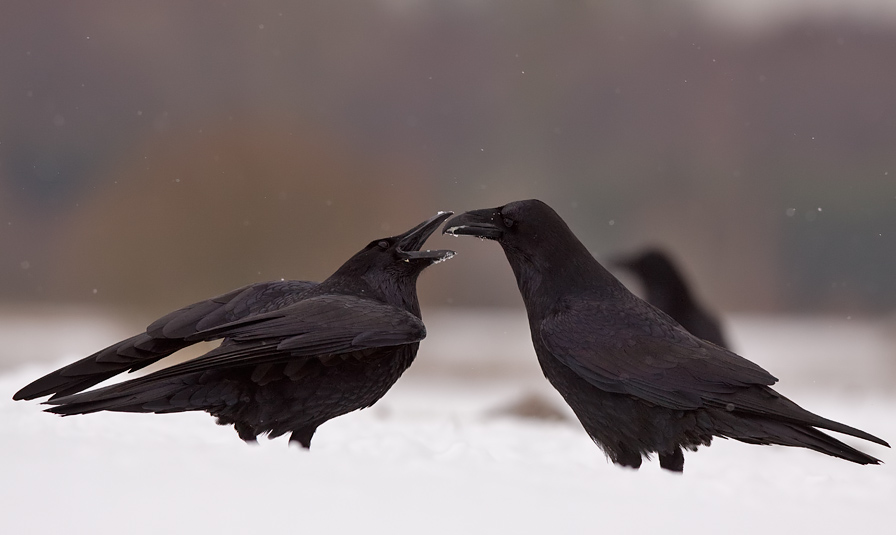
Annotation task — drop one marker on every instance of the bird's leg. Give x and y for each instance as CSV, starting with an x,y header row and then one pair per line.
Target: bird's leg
x,y
303,436
672,461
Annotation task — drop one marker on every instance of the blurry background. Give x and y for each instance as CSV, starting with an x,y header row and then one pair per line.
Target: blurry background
x,y
156,153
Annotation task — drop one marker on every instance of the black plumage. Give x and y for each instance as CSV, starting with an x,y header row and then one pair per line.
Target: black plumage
x,y
667,290
293,355
638,382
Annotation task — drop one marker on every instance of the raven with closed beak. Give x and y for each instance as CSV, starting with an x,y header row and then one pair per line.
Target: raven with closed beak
x,y
293,355
667,291
638,382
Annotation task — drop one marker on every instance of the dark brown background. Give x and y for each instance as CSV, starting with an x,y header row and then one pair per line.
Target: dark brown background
x,y
154,153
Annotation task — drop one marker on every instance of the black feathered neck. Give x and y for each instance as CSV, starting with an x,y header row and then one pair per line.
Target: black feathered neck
x,y
394,282
549,260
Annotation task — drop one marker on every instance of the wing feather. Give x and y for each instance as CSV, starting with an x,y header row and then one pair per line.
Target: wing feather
x,y
165,336
642,352
315,327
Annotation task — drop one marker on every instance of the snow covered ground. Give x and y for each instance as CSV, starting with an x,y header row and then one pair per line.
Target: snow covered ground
x,y
436,456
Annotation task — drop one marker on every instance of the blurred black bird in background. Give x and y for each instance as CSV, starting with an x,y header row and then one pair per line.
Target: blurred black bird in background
x,y
667,290
638,382
294,353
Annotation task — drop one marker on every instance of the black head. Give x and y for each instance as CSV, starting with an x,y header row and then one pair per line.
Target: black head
x,y
398,256
514,225
540,247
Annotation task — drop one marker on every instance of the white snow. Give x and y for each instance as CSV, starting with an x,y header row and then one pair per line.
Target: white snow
x,y
430,458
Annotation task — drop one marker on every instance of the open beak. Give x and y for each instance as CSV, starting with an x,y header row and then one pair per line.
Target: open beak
x,y
410,243
481,223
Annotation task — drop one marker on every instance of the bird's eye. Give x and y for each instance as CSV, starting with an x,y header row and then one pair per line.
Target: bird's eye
x,y
383,244
508,222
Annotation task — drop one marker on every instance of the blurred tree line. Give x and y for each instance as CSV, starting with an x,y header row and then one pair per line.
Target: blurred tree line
x,y
156,153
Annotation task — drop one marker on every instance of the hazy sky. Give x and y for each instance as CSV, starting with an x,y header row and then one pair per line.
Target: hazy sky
x,y
756,14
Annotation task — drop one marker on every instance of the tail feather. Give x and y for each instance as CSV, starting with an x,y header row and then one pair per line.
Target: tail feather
x,y
784,433
831,425
767,404
171,395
